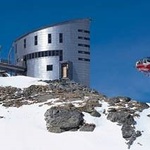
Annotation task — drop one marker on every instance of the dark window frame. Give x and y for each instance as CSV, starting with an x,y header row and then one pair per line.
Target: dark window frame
x,y
49,67
60,37
49,38
24,43
45,54
35,40
84,52
84,59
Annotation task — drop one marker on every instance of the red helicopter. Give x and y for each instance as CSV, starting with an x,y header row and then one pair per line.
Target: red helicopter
x,y
143,65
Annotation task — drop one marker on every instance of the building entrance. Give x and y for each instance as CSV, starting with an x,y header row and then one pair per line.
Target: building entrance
x,y
66,70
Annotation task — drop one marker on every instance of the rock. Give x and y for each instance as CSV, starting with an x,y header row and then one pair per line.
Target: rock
x,y
1,117
88,127
111,110
95,114
121,117
142,106
61,118
148,115
114,100
34,90
133,138
89,107
124,98
119,99
127,131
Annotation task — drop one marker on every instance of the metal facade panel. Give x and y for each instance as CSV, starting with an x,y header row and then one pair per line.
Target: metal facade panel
x,y
76,37
38,68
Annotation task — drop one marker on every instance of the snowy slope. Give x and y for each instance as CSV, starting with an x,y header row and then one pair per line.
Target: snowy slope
x,y
24,128
20,81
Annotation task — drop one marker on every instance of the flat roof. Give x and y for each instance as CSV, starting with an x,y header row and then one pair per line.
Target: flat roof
x,y
52,25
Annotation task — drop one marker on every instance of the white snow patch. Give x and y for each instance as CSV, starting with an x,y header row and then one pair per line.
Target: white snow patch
x,y
20,81
24,128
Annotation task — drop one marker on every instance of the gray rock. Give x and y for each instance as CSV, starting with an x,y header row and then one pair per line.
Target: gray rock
x,y
114,100
142,106
148,115
118,99
121,117
88,127
133,138
60,119
95,114
127,131
124,98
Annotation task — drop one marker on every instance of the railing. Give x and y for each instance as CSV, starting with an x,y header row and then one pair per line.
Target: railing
x,y
10,67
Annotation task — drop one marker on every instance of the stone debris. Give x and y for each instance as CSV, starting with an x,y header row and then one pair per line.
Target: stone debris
x,y
68,100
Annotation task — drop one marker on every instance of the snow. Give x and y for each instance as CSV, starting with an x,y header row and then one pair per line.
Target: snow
x,y
24,128
20,81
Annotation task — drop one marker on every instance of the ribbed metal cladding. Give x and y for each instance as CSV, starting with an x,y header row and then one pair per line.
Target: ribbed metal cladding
x,y
43,51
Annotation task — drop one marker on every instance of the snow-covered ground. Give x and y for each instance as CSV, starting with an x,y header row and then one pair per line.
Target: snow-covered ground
x,y
24,128
20,81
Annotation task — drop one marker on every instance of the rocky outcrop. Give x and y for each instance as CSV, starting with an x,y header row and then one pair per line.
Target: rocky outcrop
x,y
123,110
65,90
60,119
122,117
71,100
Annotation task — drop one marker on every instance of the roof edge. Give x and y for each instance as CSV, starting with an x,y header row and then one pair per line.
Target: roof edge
x,y
52,25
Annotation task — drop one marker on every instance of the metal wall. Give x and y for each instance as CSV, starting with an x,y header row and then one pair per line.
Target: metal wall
x,y
75,48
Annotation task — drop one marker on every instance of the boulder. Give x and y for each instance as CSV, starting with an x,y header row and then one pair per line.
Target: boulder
x,y
88,127
61,118
121,117
119,99
127,131
95,114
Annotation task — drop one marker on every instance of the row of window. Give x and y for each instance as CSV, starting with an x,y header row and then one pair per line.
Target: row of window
x,y
83,52
44,54
84,45
83,38
82,30
49,38
84,59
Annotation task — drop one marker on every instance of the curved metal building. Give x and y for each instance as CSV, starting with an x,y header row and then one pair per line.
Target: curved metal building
x,y
58,51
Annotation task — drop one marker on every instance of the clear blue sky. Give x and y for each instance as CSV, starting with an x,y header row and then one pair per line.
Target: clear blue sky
x,y
120,35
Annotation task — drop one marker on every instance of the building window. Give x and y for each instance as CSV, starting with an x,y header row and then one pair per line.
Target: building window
x,y
49,67
60,38
84,59
61,56
83,38
36,40
80,44
24,43
49,38
15,48
80,30
84,45
86,38
86,31
45,54
84,52
80,37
